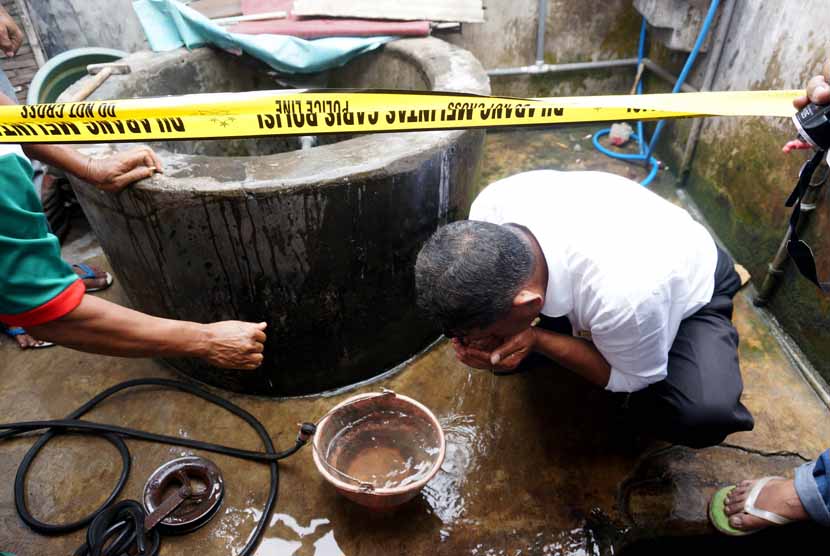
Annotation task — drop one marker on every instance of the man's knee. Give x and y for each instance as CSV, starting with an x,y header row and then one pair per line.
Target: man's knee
x,y
702,424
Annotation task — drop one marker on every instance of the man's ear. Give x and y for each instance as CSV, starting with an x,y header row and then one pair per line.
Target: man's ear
x,y
529,301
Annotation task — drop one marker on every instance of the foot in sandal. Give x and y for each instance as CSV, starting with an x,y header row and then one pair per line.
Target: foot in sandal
x,y
94,280
754,505
23,340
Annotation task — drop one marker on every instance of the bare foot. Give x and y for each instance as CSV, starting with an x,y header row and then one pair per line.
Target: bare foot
x,y
778,496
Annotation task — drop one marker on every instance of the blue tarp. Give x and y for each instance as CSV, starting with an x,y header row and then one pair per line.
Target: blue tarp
x,y
169,24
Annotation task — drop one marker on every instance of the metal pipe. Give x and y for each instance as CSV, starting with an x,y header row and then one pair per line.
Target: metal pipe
x,y
534,69
542,14
557,68
776,267
708,78
659,71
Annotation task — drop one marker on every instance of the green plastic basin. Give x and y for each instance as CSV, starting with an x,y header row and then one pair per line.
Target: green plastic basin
x,y
65,69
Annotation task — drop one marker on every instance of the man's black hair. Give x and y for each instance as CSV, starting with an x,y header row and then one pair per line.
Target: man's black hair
x,y
468,273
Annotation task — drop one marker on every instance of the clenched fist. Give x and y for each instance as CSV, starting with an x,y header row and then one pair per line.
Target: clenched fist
x,y
234,344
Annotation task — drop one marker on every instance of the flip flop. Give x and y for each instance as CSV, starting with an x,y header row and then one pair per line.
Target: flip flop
x,y
89,272
14,331
719,519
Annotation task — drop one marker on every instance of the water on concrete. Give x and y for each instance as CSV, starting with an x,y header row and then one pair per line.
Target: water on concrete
x,y
536,463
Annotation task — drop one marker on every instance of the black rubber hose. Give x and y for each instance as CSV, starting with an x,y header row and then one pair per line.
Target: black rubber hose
x,y
125,522
115,434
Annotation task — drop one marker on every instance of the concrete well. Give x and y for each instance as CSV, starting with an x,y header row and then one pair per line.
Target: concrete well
x,y
320,243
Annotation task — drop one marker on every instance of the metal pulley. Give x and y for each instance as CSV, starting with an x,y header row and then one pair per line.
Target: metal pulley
x,y
184,493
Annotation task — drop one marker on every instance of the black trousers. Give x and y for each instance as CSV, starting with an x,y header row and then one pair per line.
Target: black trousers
x,y
699,403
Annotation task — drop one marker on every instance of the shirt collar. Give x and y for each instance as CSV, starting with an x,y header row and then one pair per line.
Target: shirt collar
x,y
559,294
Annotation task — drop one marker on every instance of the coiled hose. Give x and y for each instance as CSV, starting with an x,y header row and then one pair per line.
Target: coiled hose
x,y
114,529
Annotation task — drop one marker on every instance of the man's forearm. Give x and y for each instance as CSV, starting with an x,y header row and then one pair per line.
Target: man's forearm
x,y
102,327
576,354
60,156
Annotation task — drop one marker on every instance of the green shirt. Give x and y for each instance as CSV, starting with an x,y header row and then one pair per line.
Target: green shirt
x,y
36,285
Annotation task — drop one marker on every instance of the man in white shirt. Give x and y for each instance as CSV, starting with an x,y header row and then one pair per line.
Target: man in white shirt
x,y
634,296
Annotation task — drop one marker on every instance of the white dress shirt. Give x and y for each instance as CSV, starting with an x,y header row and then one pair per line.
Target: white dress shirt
x,y
624,265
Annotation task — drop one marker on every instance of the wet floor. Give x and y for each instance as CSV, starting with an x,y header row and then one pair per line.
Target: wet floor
x,y
535,464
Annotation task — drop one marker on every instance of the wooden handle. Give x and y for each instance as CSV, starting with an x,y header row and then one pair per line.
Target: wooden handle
x,y
90,87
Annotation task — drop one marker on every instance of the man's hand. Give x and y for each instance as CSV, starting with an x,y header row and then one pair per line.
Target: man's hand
x,y
818,92
505,357
234,344
11,37
513,351
472,356
119,170
818,89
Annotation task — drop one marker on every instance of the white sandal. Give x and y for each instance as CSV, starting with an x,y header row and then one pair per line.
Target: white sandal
x,y
751,509
718,516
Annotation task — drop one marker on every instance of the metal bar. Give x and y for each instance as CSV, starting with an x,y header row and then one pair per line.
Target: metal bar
x,y
641,66
251,17
542,14
659,71
774,271
557,68
779,262
708,78
600,64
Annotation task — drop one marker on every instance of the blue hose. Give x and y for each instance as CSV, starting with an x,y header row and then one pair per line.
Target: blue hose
x,y
645,152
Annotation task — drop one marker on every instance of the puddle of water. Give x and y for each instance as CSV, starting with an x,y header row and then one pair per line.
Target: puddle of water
x,y
294,539
386,449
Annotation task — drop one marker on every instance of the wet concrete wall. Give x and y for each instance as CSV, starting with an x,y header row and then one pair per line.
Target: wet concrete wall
x,y
65,24
576,31
739,176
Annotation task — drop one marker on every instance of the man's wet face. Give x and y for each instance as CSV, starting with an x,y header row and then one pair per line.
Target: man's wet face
x,y
484,343
491,337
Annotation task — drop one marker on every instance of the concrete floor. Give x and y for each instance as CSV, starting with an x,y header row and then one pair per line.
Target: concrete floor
x,y
536,463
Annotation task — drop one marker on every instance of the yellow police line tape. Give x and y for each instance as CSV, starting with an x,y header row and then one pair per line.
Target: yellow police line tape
x,y
306,112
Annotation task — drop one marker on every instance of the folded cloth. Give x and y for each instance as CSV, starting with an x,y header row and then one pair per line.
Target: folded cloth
x,y
169,24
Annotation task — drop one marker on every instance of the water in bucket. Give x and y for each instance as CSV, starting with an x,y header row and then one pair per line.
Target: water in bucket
x,y
383,448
